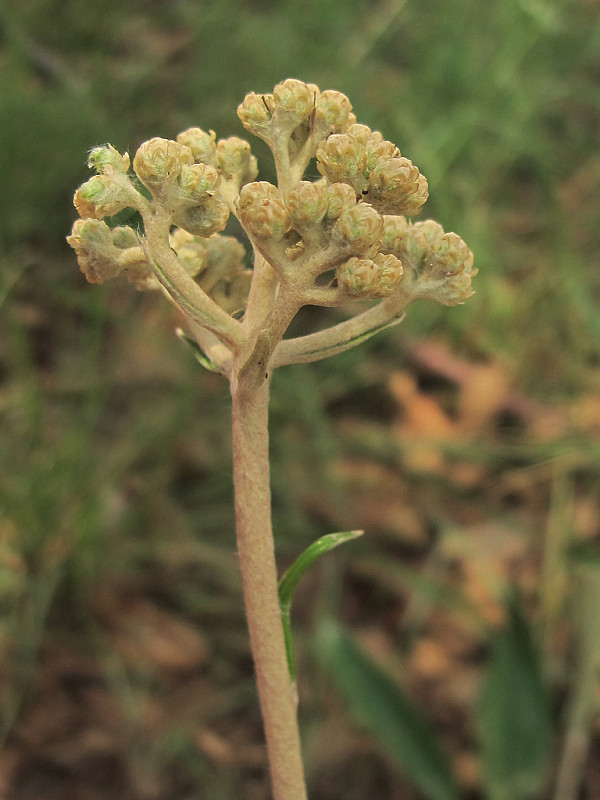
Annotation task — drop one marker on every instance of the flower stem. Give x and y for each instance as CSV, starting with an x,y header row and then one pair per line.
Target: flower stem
x,y
250,396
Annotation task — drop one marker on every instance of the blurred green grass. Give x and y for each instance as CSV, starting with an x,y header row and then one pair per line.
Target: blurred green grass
x,y
115,449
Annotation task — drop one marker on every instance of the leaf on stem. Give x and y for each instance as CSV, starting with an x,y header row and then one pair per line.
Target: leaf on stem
x,y
290,579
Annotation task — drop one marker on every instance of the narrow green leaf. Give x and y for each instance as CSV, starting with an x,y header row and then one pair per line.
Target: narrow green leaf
x,y
514,716
379,704
291,577
198,354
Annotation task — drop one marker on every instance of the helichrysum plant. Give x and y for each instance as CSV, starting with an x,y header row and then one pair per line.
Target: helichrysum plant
x,y
344,237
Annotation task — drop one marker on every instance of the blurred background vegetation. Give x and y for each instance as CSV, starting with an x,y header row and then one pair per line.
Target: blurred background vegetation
x,y
466,441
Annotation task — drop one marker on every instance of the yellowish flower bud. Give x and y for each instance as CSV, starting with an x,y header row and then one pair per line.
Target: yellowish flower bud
x,y
232,295
341,158
256,113
103,196
236,161
293,100
266,219
370,278
191,251
196,183
92,241
397,187
255,192
158,162
333,114
359,229
201,143
101,158
307,202
340,197
205,219
451,261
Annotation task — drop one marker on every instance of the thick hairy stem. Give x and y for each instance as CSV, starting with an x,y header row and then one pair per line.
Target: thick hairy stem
x,y
250,394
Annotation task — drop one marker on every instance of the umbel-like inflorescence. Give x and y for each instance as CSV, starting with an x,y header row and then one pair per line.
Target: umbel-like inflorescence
x,y
315,242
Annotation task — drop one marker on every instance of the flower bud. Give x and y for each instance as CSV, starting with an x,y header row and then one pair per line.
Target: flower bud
x,y
370,278
191,251
124,237
333,114
101,158
395,234
196,183
397,187
255,113
293,100
235,160
267,218
340,197
341,158
92,241
232,295
201,143
359,229
204,219
257,191
158,162
307,203
451,261
103,196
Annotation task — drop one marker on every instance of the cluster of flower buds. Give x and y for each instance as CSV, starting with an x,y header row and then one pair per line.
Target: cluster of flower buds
x,y
297,115
374,168
217,264
104,253
437,265
351,220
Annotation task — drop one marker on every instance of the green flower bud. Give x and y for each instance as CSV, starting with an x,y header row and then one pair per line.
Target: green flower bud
x,y
103,196
370,278
255,113
202,144
340,197
235,160
158,162
397,187
341,158
307,203
395,234
203,220
124,237
101,158
359,229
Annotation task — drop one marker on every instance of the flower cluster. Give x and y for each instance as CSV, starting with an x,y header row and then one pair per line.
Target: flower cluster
x,y
351,223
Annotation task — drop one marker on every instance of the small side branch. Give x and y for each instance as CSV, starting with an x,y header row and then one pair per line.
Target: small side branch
x,y
184,291
340,337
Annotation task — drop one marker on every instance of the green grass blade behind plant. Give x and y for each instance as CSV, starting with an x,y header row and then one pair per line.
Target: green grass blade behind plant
x,y
514,716
379,704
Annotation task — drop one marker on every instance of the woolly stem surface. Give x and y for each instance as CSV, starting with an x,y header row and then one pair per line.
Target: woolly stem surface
x,y
250,397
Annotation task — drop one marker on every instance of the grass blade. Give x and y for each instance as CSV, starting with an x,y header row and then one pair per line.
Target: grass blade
x,y
379,704
514,716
